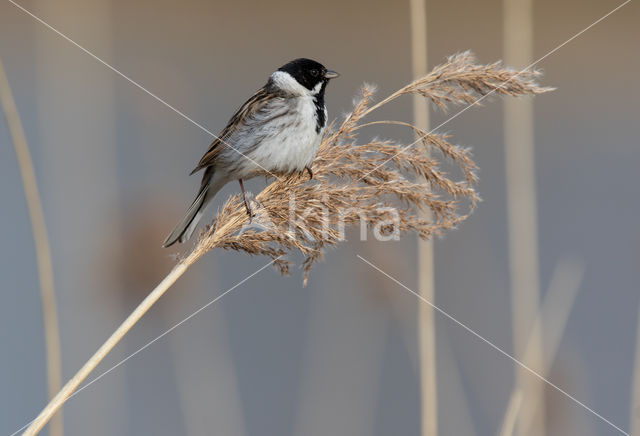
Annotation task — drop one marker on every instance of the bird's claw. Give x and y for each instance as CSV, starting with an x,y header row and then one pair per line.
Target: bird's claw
x,y
249,197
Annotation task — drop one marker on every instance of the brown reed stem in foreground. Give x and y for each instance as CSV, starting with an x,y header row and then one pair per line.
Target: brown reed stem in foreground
x,y
425,260
42,248
352,183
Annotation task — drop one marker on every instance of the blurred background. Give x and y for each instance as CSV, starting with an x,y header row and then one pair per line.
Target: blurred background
x,y
340,356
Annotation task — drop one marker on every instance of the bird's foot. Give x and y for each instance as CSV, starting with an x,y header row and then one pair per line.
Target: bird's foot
x,y
249,201
308,168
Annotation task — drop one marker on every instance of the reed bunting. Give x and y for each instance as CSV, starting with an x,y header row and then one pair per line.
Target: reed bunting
x,y
278,130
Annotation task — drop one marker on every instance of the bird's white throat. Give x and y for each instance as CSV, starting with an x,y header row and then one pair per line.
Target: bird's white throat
x,y
286,82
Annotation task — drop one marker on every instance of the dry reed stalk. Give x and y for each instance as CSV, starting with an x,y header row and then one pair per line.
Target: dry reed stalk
x,y
79,179
426,283
522,217
511,414
352,183
552,320
42,248
550,325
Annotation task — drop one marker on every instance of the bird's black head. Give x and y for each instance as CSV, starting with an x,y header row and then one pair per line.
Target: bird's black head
x,y
308,73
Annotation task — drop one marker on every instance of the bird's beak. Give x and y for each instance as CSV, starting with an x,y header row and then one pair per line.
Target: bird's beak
x,y
331,74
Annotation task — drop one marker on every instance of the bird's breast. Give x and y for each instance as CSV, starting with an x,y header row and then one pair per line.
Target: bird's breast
x,y
290,141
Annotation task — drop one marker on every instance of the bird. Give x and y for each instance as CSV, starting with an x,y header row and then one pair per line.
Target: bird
x,y
277,130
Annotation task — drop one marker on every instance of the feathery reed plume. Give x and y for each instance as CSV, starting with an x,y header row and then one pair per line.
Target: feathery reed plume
x,y
352,183
42,247
370,182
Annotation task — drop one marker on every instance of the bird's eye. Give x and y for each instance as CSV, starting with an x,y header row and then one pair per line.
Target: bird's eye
x,y
315,73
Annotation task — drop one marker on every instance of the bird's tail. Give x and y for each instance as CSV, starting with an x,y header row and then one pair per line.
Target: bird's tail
x,y
188,224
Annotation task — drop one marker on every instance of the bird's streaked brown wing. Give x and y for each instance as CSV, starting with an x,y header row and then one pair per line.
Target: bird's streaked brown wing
x,y
250,107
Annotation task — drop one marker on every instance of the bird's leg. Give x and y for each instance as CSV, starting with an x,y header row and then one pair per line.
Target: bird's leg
x,y
246,203
308,168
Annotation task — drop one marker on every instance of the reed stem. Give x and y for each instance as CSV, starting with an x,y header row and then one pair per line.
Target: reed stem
x,y
522,218
42,247
68,389
426,288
